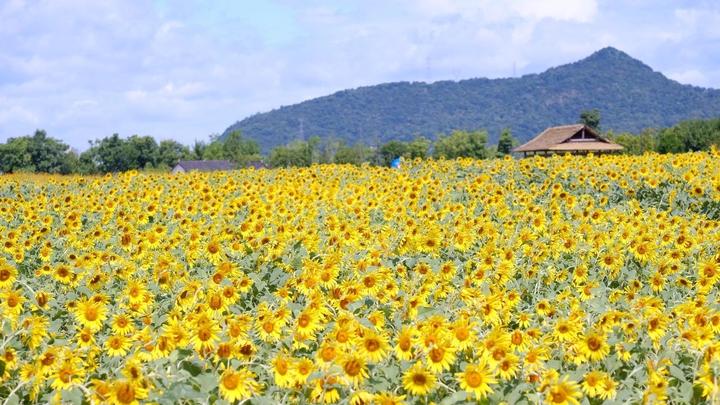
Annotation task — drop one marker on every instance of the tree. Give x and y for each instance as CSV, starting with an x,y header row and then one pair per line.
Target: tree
x,y
390,151
591,118
462,144
170,152
355,155
240,150
418,148
36,153
634,144
505,143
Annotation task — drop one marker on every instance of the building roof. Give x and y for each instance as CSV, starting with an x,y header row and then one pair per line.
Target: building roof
x,y
559,139
206,165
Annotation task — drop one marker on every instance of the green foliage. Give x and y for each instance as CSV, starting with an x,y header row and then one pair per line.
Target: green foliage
x,y
115,154
638,144
630,95
233,147
295,154
505,143
591,118
686,136
355,155
462,144
36,153
170,152
418,148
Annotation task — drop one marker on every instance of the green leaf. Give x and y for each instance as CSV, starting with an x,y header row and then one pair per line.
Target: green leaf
x,y
2,367
13,400
454,398
73,396
191,368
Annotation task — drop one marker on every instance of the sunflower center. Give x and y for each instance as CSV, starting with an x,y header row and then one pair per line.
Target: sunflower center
x,y
204,335
4,274
352,368
559,397
268,327
473,379
327,353
404,344
419,379
215,302
65,376
372,344
594,344
115,343
125,393
304,321
231,381
437,354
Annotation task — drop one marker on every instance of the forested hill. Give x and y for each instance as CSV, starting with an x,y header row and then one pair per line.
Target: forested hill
x,y
629,94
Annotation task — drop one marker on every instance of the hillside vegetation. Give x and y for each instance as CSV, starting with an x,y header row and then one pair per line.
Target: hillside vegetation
x,y
629,93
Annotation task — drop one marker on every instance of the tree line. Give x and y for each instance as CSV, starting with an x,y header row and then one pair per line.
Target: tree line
x,y
44,154
686,136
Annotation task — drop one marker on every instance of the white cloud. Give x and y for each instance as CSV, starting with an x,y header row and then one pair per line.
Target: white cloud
x,y
128,67
581,11
691,76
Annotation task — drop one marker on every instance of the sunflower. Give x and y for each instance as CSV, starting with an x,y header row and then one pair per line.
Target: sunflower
x,y
238,384
90,314
302,370
214,252
282,371
387,398
124,392
122,324
85,337
607,388
507,367
206,333
563,392
476,379
592,382
417,380
440,357
354,368
325,390
373,346
117,345
593,346
404,346
11,304
8,274
565,330
69,373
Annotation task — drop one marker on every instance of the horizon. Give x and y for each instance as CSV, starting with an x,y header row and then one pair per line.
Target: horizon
x,y
188,70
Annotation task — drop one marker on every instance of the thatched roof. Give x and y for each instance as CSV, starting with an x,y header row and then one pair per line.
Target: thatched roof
x,y
206,165
559,139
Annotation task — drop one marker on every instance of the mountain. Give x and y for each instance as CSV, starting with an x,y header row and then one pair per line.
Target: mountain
x,y
628,93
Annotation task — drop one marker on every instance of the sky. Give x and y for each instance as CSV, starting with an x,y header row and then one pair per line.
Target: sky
x,y
185,69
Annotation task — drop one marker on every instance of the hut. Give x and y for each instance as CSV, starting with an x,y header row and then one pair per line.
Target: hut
x,y
574,139
202,166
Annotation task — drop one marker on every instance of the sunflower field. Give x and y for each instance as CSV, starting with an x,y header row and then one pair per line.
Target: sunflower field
x,y
561,280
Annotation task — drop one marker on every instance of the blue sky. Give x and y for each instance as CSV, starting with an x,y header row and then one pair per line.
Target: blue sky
x,y
183,69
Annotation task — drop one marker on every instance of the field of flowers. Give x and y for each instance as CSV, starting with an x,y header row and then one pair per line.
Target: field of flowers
x,y
559,280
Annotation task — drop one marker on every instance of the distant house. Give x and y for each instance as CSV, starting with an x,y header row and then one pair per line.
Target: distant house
x,y
575,139
202,166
